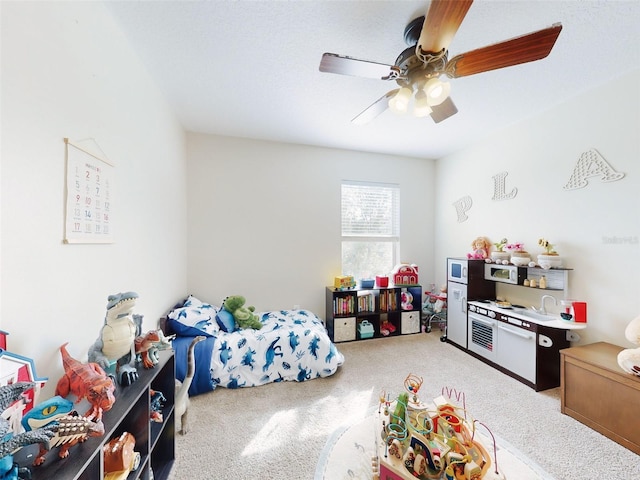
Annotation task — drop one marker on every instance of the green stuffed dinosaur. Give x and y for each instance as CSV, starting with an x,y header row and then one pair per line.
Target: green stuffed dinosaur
x,y
244,316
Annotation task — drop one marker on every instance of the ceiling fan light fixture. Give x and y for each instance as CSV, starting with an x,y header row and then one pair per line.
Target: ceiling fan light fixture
x,y
400,101
437,91
421,107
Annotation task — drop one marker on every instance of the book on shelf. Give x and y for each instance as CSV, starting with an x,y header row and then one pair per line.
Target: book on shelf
x,y
366,302
388,301
344,305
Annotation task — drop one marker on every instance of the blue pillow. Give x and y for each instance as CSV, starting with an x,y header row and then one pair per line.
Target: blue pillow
x,y
183,330
225,321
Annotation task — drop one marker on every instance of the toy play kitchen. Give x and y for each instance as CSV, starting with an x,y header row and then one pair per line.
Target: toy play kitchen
x,y
523,342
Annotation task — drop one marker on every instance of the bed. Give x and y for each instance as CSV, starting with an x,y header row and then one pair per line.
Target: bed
x,y
292,345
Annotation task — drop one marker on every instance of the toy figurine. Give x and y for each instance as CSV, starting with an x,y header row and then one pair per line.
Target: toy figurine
x,y
163,344
386,327
147,346
406,301
116,343
480,247
157,402
9,443
46,412
86,380
120,458
70,430
182,388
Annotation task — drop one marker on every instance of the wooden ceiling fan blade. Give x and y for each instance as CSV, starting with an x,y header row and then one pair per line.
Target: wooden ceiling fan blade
x,y
375,109
444,110
441,24
526,48
343,65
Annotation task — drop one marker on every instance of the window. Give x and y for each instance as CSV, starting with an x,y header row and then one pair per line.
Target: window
x,y
370,228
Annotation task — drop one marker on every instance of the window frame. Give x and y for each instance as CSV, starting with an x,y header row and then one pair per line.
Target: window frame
x,y
392,237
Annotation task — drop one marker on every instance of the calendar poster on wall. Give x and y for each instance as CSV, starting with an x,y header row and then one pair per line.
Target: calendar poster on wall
x,y
89,196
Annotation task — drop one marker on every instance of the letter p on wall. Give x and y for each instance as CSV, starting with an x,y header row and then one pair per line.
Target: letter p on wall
x,y
462,207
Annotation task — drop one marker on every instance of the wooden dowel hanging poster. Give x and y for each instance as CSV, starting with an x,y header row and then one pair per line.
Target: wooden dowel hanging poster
x,y
89,196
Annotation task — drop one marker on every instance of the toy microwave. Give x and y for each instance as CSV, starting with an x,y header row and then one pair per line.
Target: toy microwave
x,y
505,273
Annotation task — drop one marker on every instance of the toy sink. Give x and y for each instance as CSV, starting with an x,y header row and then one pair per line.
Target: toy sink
x,y
365,329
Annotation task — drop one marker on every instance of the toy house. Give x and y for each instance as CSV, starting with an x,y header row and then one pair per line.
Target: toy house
x,y
16,368
405,274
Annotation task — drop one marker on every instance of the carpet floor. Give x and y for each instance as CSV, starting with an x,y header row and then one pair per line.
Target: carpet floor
x,y
278,431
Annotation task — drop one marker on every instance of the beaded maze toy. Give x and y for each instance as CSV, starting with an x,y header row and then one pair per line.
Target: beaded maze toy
x,y
435,440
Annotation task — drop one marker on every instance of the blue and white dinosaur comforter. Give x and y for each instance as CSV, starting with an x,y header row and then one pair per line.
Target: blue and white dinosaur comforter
x,y
291,345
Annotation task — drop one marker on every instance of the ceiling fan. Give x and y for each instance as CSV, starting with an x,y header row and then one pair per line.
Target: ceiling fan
x,y
418,68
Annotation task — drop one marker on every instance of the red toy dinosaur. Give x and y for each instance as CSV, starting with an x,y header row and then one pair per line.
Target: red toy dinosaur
x,y
144,343
86,380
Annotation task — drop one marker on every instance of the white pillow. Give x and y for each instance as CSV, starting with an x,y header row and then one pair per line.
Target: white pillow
x,y
197,314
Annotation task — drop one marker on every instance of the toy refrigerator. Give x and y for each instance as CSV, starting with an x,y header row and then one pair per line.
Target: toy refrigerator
x,y
465,282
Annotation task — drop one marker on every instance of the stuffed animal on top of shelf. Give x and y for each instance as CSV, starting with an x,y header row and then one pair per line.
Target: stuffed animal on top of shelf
x,y
629,358
481,246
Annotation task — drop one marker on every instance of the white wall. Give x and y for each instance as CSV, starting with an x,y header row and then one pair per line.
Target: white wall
x,y
67,71
540,156
264,218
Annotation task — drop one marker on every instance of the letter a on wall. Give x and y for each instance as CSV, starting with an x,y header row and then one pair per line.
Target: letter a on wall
x,y
591,164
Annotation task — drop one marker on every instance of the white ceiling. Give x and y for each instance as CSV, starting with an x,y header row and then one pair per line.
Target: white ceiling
x,y
250,68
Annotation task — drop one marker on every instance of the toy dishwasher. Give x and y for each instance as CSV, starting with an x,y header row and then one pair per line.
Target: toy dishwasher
x,y
434,310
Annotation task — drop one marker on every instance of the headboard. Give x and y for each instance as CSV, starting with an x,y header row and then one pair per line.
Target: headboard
x,y
163,325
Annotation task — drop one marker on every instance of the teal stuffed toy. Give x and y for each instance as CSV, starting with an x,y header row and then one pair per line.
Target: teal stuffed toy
x,y
244,316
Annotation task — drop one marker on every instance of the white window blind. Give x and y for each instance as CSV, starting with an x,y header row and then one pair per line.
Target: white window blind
x,y
370,210
370,228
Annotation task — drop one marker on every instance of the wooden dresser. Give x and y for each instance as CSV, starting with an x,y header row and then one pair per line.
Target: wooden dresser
x,y
597,392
